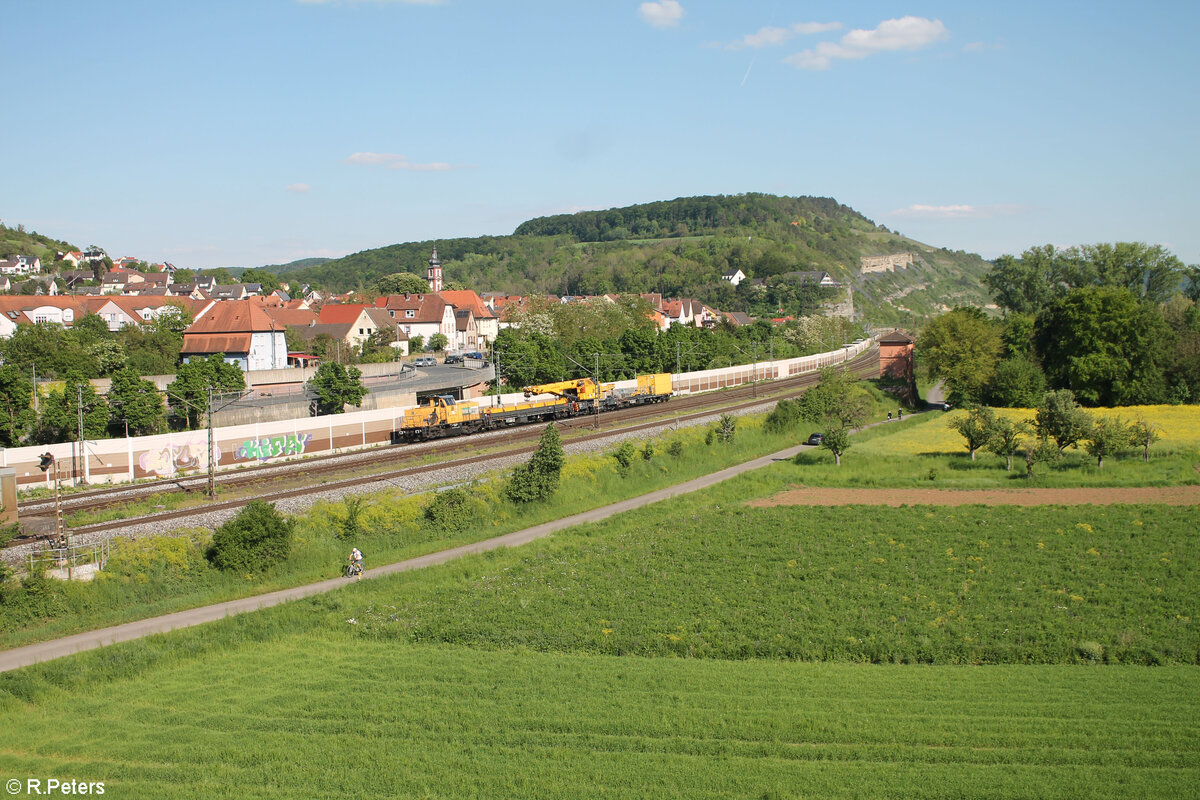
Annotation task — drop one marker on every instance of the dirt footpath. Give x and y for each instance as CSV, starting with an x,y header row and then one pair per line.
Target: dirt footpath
x,y
819,496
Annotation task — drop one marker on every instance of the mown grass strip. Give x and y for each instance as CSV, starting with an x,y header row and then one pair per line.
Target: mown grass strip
x,y
329,714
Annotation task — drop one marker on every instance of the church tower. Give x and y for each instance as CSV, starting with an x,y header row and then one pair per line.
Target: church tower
x,y
435,273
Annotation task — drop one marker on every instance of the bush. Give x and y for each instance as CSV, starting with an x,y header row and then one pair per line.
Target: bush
x,y
167,559
537,479
624,456
727,428
256,539
350,525
675,449
785,416
648,450
453,510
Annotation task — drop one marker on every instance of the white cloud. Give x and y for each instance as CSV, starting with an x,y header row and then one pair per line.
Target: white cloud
x,y
298,188
661,14
397,161
773,36
959,211
906,33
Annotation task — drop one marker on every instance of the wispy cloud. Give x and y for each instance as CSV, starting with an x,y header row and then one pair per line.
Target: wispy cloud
x,y
298,188
906,33
661,14
397,161
774,36
958,211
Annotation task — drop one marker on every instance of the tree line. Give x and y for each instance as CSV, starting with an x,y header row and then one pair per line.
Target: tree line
x,y
1117,324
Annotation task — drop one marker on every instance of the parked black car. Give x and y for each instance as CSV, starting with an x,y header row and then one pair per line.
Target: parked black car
x,y
815,438
452,358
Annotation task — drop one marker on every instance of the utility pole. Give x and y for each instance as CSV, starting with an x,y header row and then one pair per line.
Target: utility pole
x,y
212,479
754,379
596,402
82,439
35,391
496,368
678,358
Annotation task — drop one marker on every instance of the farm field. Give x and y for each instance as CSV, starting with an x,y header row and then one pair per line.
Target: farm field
x,y
702,647
328,715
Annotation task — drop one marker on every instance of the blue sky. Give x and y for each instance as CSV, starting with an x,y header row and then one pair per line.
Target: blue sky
x,y
244,133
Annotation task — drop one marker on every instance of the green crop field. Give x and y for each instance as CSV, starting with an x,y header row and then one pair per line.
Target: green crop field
x,y
328,715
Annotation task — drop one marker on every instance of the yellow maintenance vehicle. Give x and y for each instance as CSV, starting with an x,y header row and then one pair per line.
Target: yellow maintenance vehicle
x,y
442,415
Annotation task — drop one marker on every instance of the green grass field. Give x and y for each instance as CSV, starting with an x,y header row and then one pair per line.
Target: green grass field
x,y
696,648
328,715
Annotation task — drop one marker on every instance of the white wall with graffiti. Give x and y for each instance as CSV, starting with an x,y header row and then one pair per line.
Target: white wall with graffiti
x,y
185,453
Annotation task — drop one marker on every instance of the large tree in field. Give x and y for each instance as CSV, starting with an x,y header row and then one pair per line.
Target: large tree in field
x,y
961,348
1106,345
838,406
1150,272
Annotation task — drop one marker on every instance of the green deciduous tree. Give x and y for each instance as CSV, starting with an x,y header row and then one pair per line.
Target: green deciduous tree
x,y
1143,434
1017,383
188,394
135,402
337,387
962,348
1006,438
59,420
976,426
1060,419
1108,436
1107,346
402,283
438,342
17,416
537,479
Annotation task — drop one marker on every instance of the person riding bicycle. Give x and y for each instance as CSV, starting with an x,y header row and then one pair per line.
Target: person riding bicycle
x,y
356,559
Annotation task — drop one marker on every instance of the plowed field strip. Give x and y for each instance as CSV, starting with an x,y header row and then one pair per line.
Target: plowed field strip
x,y
816,496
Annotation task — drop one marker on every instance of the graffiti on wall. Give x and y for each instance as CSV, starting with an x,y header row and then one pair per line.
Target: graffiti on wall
x,y
177,457
264,449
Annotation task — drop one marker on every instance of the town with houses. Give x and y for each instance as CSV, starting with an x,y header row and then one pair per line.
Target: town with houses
x,y
248,326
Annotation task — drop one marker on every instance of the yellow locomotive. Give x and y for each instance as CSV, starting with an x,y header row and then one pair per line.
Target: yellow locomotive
x,y
442,415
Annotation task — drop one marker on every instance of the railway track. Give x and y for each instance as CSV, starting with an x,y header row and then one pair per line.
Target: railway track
x,y
315,471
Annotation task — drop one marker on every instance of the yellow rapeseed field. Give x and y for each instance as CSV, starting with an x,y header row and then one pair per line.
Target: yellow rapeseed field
x,y
1179,426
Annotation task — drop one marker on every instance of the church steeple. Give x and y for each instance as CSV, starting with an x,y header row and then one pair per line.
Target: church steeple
x,y
435,273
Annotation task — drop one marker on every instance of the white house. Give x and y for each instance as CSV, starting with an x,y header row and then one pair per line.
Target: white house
x,y
735,276
241,331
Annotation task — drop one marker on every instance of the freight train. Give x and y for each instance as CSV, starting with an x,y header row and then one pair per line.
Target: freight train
x,y
445,416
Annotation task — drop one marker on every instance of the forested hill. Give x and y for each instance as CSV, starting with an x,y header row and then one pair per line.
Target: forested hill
x,y
686,215
681,248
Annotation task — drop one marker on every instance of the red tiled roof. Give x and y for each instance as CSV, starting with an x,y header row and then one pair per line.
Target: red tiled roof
x,y
340,313
467,299
198,344
233,316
